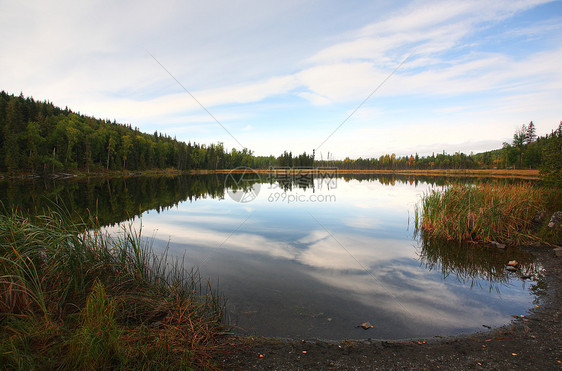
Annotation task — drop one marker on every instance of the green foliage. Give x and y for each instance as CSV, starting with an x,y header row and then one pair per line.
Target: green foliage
x,y
551,169
302,160
75,298
96,342
530,133
39,138
526,151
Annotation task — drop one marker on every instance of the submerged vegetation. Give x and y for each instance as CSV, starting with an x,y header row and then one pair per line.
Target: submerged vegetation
x,y
487,212
76,298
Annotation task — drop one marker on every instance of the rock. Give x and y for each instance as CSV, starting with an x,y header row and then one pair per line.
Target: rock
x,y
539,217
512,263
511,269
498,245
555,219
366,325
558,252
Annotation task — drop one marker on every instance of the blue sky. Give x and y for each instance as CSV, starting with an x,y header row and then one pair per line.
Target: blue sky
x,y
284,75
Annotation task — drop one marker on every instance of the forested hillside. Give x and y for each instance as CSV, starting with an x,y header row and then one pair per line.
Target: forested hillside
x,y
40,138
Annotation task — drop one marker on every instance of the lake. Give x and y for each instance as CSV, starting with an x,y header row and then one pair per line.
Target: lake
x,y
305,256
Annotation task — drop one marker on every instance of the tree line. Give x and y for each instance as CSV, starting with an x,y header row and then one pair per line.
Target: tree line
x,y
527,151
40,138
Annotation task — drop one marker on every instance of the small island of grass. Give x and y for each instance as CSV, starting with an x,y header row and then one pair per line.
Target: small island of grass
x,y
504,213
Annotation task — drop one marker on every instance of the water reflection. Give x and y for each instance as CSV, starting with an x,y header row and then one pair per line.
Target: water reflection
x,y
113,200
476,264
120,198
307,269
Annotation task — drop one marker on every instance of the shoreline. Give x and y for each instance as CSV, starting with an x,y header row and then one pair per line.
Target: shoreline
x,y
531,342
488,173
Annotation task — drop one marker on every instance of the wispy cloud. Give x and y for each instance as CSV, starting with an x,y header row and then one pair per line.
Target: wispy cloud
x,y
291,75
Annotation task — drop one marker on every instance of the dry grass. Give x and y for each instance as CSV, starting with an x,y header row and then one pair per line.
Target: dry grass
x,y
484,212
75,298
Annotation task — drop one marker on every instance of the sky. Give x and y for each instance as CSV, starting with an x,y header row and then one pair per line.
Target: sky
x,y
353,78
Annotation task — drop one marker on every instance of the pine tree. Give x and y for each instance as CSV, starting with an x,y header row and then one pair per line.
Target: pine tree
x,y
530,133
551,169
12,129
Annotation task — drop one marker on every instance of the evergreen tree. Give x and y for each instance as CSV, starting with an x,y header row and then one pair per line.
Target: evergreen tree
x,y
530,134
519,139
13,126
551,169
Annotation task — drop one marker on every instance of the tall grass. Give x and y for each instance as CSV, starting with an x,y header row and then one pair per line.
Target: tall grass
x,y
75,297
483,212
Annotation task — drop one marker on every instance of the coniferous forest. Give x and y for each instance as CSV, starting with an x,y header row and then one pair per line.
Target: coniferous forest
x,y
40,138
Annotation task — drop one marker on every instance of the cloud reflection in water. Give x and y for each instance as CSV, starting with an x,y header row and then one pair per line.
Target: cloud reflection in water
x,y
285,275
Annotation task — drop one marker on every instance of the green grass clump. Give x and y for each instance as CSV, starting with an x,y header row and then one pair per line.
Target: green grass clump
x,y
484,212
76,298
97,340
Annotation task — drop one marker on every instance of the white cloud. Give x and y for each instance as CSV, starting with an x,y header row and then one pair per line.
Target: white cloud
x,y
351,69
91,57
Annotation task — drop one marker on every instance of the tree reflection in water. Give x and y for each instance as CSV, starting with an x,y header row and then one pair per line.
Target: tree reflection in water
x,y
477,264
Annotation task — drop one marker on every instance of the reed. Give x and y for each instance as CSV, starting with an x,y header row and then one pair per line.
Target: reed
x,y
483,212
75,297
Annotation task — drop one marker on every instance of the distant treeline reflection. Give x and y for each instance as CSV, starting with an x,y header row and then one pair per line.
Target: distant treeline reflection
x,y
393,179
112,200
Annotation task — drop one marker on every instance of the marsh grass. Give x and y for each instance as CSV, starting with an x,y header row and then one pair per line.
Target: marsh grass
x,y
484,212
72,296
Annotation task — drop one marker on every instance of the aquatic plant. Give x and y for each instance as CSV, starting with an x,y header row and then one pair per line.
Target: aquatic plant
x,y
482,212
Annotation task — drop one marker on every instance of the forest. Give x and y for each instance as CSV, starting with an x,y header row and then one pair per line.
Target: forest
x,y
40,138
527,151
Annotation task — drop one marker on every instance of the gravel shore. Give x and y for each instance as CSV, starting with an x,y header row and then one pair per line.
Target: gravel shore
x,y
529,343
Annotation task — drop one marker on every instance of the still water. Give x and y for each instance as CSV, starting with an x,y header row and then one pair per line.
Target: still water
x,y
305,258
